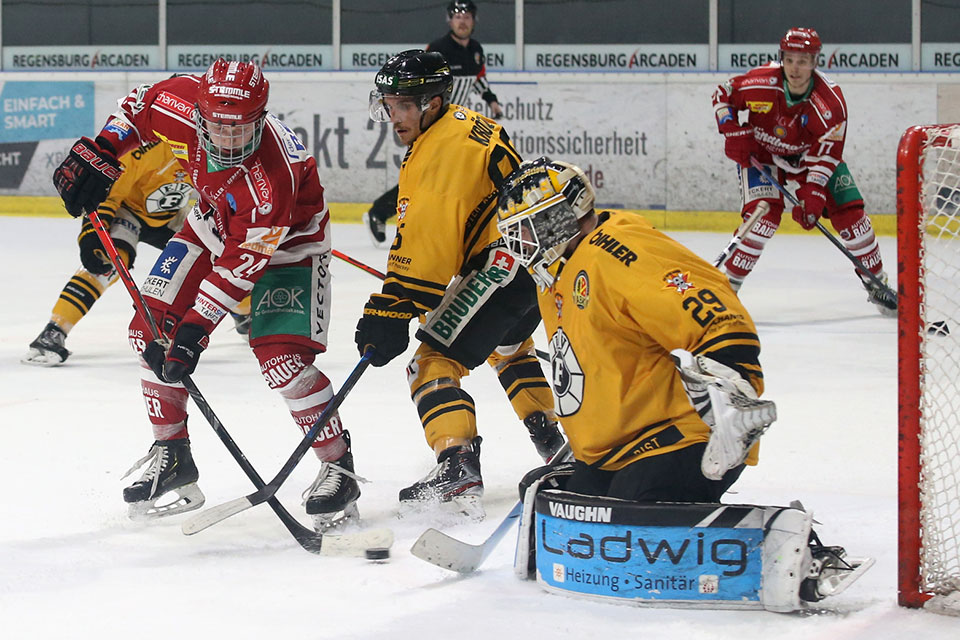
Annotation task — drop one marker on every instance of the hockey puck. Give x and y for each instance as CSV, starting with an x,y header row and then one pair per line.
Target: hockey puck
x,y
377,553
939,328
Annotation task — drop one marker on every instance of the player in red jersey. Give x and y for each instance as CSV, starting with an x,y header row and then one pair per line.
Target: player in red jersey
x,y
260,227
796,123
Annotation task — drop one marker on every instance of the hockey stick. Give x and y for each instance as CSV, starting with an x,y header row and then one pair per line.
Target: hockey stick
x,y
265,493
761,209
359,264
307,538
543,355
438,548
839,245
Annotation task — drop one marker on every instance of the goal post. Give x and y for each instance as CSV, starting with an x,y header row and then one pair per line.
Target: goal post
x,y
928,257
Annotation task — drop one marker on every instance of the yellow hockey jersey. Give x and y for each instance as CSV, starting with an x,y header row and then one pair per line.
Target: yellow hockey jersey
x,y
153,186
627,296
447,203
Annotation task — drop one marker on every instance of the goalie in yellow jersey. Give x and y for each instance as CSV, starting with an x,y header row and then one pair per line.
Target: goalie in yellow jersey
x,y
655,360
148,203
447,264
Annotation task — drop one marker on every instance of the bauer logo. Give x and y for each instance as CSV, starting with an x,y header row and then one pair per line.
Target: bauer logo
x,y
649,562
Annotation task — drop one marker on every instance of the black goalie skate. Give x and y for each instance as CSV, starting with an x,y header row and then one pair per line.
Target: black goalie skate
x,y
170,470
48,350
332,498
455,483
881,297
545,435
831,571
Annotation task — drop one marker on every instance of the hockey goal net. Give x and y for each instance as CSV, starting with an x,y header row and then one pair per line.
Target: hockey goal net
x,y
928,254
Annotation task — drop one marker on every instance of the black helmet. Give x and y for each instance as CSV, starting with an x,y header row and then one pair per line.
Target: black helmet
x,y
416,73
461,6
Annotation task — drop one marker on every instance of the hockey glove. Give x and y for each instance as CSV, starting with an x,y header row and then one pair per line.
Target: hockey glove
x,y
813,200
84,178
181,359
385,326
740,144
93,256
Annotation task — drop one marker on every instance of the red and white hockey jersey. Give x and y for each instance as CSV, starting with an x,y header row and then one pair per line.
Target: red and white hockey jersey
x,y
812,129
268,210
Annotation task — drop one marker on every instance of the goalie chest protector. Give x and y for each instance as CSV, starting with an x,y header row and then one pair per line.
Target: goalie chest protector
x,y
663,554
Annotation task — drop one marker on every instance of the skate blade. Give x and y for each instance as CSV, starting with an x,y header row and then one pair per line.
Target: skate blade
x,y
336,520
39,358
840,579
188,498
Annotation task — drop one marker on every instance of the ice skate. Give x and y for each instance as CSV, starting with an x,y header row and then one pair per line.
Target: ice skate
x,y
332,498
48,350
241,323
455,484
831,571
170,470
377,229
881,297
545,435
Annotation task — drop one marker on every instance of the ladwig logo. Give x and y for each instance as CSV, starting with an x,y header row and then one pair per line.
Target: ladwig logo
x,y
580,512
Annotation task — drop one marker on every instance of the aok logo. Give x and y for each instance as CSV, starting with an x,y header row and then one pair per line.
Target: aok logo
x,y
282,298
622,549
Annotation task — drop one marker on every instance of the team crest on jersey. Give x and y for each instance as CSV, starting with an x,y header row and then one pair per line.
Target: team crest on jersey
x,y
172,196
758,106
678,281
558,301
402,205
567,375
581,290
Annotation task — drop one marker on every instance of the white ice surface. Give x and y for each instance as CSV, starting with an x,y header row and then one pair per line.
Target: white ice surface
x,y
73,566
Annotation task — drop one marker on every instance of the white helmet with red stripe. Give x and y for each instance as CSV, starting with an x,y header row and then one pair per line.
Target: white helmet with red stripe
x,y
231,106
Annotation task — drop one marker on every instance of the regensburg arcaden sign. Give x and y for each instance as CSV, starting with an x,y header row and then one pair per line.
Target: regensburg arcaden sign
x,y
609,58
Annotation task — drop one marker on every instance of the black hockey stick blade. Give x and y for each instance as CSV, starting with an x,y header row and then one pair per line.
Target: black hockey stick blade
x,y
209,517
443,551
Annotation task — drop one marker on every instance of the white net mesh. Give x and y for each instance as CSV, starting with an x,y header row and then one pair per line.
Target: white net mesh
x,y
940,362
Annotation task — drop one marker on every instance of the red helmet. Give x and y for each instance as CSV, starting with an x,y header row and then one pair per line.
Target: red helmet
x,y
231,106
801,40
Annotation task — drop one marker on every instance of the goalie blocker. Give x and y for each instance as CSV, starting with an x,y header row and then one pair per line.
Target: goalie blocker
x,y
687,555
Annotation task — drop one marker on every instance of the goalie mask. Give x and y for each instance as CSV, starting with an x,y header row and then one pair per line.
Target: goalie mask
x,y
539,212
231,107
415,73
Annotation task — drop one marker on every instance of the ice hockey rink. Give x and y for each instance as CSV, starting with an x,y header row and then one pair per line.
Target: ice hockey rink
x,y
73,566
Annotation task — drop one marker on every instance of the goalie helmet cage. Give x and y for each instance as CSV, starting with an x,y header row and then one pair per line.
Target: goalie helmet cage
x,y
928,255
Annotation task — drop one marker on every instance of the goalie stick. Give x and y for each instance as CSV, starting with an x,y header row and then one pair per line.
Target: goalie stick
x,y
265,493
307,538
438,548
543,355
839,245
748,224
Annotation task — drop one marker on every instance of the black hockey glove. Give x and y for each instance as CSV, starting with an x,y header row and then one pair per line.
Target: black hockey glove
x,y
182,357
93,256
385,326
84,178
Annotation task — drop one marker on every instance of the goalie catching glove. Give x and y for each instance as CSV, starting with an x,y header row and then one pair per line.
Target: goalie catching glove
x,y
86,175
385,326
729,406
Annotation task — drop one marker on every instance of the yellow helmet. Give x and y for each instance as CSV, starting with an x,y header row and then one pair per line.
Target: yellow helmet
x,y
538,212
